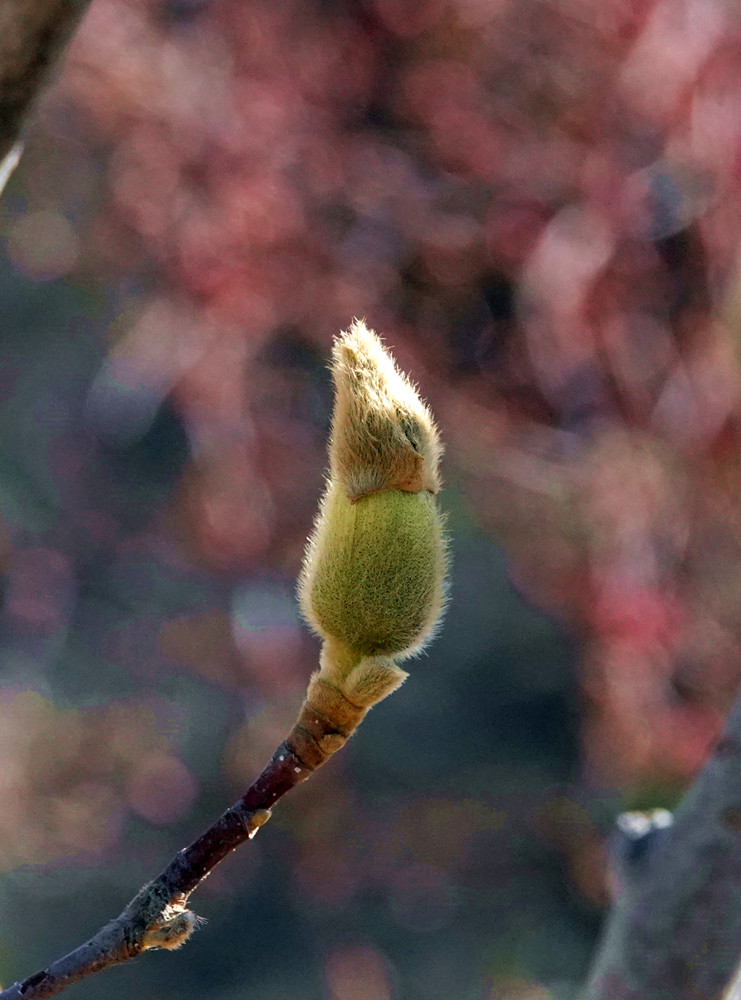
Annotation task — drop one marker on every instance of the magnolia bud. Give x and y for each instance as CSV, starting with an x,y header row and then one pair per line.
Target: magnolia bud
x,y
372,583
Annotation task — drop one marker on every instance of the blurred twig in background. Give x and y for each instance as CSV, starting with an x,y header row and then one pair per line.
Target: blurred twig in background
x,y
32,36
666,938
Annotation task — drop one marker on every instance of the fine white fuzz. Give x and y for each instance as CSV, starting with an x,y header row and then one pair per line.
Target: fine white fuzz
x,y
372,582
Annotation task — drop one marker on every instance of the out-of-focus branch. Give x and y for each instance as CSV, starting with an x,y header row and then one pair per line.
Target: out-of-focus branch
x,y
32,36
157,916
676,935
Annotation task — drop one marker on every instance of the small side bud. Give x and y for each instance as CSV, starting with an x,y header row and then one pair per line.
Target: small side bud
x,y
171,933
258,819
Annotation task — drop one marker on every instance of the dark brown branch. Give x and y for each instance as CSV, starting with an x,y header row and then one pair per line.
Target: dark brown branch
x,y
33,34
676,935
157,916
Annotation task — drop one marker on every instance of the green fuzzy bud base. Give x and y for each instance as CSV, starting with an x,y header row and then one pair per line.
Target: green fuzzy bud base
x,y
373,572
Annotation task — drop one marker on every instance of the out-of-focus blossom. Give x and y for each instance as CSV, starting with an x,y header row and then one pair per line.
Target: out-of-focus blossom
x,y
540,205
80,772
358,972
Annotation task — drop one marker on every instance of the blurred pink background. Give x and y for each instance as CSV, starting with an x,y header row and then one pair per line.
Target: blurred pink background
x,y
538,205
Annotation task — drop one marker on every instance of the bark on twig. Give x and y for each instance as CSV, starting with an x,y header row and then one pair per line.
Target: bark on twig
x,y
157,916
677,934
32,36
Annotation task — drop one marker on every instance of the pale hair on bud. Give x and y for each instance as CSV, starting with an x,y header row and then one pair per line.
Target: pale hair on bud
x,y
372,583
172,932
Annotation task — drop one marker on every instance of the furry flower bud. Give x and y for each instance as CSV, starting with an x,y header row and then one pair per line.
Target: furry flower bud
x,y
372,582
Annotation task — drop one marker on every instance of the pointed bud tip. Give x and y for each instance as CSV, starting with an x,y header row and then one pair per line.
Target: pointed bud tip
x,y
383,435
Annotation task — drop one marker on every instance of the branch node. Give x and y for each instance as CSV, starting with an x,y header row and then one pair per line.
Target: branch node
x,y
32,981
